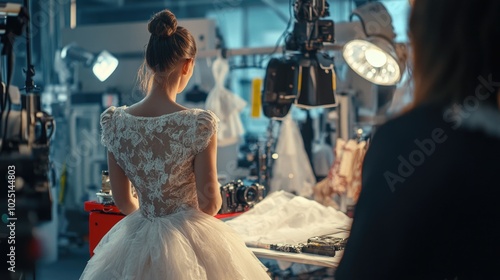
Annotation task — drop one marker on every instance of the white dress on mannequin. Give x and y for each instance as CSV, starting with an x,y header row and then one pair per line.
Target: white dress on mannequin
x,y
226,105
168,237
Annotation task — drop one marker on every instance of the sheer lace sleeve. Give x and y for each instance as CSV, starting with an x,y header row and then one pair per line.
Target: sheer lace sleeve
x,y
207,125
107,129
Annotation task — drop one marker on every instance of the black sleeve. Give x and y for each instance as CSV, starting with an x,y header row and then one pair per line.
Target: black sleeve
x,y
398,210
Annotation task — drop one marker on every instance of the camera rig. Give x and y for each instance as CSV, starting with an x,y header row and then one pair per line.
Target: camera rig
x,y
310,31
25,133
307,76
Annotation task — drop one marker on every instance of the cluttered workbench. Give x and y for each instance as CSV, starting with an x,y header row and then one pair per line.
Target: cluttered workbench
x,y
293,231
303,258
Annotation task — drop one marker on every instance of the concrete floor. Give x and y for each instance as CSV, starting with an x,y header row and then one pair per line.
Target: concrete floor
x,y
69,265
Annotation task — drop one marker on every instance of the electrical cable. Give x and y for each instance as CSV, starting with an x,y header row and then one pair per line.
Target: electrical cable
x,y
7,99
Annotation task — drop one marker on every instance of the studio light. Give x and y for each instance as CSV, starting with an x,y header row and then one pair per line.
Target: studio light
x,y
103,64
316,81
374,57
305,76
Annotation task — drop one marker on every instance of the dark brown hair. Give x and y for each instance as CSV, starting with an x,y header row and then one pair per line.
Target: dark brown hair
x,y
168,44
455,49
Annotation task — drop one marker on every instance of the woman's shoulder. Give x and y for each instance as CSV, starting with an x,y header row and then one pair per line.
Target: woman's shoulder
x,y
204,113
425,120
424,114
423,126
107,114
454,120
205,116
206,125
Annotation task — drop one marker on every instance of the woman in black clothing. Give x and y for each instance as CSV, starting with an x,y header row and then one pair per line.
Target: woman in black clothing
x,y
430,203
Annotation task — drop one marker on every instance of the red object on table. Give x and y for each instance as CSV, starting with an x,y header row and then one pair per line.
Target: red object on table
x,y
103,217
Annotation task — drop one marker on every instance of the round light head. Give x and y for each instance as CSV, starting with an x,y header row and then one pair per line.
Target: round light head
x,y
104,65
374,59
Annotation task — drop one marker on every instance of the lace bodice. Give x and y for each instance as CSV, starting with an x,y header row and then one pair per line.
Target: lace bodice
x,y
157,154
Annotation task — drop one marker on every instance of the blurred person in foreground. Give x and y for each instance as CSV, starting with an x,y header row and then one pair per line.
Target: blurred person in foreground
x,y
431,178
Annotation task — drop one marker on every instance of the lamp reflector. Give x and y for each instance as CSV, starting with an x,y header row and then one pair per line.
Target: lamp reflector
x,y
375,60
104,65
375,57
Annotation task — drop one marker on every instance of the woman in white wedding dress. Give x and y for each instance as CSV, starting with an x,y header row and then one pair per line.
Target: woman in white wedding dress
x,y
168,153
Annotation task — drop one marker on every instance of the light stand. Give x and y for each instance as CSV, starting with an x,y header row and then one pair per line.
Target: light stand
x,y
265,158
24,152
306,76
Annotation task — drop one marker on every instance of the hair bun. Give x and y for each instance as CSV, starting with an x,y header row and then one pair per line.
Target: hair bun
x,y
163,24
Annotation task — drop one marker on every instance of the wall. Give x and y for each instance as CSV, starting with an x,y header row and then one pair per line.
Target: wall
x,y
127,41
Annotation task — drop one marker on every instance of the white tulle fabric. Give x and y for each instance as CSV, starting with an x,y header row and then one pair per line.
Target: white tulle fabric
x,y
168,237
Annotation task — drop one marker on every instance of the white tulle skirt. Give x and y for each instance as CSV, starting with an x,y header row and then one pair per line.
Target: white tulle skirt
x,y
185,245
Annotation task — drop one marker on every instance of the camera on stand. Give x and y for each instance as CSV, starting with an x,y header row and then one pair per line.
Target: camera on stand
x,y
309,30
25,139
238,197
306,75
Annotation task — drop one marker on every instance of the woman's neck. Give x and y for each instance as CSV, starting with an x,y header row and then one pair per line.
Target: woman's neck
x,y
159,93
164,92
